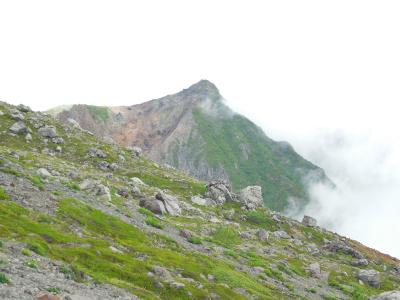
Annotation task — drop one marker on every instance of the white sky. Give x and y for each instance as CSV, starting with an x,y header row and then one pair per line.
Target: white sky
x,y
295,67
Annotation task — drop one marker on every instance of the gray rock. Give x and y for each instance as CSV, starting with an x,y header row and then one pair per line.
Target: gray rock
x,y
42,172
28,137
251,197
93,152
171,203
137,181
58,140
339,246
19,128
177,285
185,233
137,151
24,108
360,263
161,272
263,235
154,205
281,234
47,132
219,191
370,277
309,221
391,295
1,113
314,269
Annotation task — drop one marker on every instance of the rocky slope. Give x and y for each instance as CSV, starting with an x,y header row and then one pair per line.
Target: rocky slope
x,y
196,132
83,219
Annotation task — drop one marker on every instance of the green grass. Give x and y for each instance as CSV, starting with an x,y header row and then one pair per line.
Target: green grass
x,y
152,221
226,236
3,194
194,240
31,264
3,278
37,181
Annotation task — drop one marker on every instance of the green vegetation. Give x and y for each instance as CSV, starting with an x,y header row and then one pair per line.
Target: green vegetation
x,y
37,181
3,278
152,221
98,112
226,236
251,158
31,264
3,194
54,290
194,240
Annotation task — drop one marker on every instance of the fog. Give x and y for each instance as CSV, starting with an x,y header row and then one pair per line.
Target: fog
x,y
365,204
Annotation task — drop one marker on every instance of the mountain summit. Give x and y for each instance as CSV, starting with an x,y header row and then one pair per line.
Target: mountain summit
x,y
195,131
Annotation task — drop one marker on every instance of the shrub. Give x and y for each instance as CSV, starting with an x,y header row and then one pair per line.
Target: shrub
x,y
26,252
54,290
37,248
145,212
31,264
154,222
3,278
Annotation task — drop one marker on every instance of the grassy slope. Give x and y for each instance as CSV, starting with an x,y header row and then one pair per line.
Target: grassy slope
x,y
276,170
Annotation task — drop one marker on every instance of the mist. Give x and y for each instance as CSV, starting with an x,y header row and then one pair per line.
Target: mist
x,y
365,166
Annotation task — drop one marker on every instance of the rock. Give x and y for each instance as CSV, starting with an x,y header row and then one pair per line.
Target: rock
x,y
391,295
137,151
370,277
256,271
18,128
281,234
93,152
171,203
103,191
87,184
161,272
47,132
1,113
48,297
115,250
360,263
201,201
251,197
137,181
58,149
177,285
123,191
263,235
28,137
219,191
136,191
154,205
24,108
229,214
185,233
246,235
109,140
58,140
42,172
74,123
339,246
314,269
309,221
16,114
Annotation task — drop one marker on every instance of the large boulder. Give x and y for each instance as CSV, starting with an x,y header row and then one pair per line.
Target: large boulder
x,y
171,203
219,191
251,197
19,128
154,205
370,277
309,221
47,132
391,295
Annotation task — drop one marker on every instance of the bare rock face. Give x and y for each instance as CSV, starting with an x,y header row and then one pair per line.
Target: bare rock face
x,y
170,202
251,197
154,205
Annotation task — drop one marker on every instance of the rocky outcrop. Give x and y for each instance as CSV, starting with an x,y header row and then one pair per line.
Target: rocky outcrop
x,y
219,191
309,221
392,295
370,277
162,204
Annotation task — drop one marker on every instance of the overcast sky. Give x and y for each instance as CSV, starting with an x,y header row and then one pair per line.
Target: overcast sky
x,y
311,72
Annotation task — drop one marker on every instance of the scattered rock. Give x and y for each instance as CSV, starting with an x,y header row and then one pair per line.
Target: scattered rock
x,y
339,246
47,132
161,272
370,277
360,263
93,152
263,235
18,128
185,233
154,205
137,181
171,203
177,285
251,197
201,201
28,137
24,108
309,221
137,151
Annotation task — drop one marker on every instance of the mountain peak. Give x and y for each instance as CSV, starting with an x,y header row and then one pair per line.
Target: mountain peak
x,y
203,87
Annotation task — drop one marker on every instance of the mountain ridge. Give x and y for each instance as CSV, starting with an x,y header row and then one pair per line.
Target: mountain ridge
x,y
195,131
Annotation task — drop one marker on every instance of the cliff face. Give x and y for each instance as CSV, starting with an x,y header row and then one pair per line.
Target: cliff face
x,y
195,131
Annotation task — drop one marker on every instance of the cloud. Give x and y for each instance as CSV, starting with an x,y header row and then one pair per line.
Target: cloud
x,y
365,205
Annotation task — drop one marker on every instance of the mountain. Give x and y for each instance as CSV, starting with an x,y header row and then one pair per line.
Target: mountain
x,y
195,131
81,218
